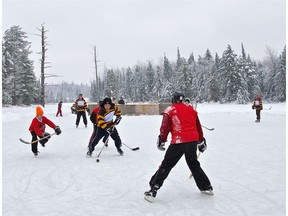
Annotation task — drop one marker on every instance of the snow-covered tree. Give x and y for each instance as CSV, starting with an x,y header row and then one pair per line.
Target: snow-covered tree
x,y
269,72
129,85
150,81
18,78
229,76
214,88
280,78
168,79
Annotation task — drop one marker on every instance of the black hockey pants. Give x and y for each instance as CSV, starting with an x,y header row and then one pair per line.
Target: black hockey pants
x,y
100,133
172,156
79,114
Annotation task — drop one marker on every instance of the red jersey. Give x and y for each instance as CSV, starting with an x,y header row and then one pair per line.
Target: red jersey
x,y
39,126
183,123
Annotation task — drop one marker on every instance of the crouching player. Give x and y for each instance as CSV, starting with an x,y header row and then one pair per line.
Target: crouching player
x,y
37,128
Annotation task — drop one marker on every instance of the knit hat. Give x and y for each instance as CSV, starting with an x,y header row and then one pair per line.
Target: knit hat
x,y
107,101
39,110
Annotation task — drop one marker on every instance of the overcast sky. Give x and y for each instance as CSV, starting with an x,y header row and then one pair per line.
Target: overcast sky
x,y
125,32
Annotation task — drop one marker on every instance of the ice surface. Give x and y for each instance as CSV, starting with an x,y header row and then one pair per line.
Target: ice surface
x,y
245,162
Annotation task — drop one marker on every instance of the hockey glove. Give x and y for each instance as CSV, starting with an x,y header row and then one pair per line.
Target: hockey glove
x,y
109,130
160,144
253,107
202,146
57,130
117,120
88,111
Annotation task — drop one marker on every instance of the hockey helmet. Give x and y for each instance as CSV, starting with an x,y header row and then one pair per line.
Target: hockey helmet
x,y
177,97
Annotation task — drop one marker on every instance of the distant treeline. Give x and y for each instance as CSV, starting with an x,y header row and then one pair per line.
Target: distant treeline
x,y
209,78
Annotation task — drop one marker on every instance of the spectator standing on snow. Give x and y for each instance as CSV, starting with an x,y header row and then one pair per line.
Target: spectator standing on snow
x,y
106,125
186,136
81,106
257,104
121,101
37,128
59,109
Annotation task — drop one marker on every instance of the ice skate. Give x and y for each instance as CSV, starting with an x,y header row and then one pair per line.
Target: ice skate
x,y
36,153
208,191
89,153
120,151
151,194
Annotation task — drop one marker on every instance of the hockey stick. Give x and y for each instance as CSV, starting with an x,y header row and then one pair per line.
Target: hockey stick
x,y
133,149
191,174
269,108
97,159
210,129
104,145
32,142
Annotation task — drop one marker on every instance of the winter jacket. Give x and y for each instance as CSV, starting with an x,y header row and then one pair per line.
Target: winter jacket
x,y
105,117
80,105
121,101
94,114
39,126
59,105
257,104
183,123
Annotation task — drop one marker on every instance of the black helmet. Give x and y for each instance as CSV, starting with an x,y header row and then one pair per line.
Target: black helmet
x,y
177,97
107,101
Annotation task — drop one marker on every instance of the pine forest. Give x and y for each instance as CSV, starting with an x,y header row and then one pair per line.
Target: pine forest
x,y
223,78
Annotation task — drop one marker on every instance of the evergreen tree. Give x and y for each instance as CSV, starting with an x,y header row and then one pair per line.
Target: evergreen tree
x,y
245,73
168,79
191,70
18,76
184,79
93,91
150,81
280,78
191,59
129,95
203,76
214,90
158,83
110,83
229,76
142,82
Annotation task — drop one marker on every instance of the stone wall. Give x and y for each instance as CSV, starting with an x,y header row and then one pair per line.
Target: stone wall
x,y
138,109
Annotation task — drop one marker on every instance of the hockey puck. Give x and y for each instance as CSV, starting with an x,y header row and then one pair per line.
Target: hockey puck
x,y
97,160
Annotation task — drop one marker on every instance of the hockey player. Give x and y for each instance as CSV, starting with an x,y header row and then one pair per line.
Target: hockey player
x,y
59,111
257,104
93,119
81,107
186,136
37,128
106,125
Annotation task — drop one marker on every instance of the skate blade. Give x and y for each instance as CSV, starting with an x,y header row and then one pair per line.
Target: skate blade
x,y
208,192
149,198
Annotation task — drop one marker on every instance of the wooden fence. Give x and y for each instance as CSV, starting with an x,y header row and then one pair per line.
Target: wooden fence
x,y
138,109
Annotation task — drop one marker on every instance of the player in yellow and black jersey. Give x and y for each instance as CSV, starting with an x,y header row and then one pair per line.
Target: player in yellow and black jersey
x,y
106,125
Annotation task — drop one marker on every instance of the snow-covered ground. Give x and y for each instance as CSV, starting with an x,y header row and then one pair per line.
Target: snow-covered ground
x,y
245,162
